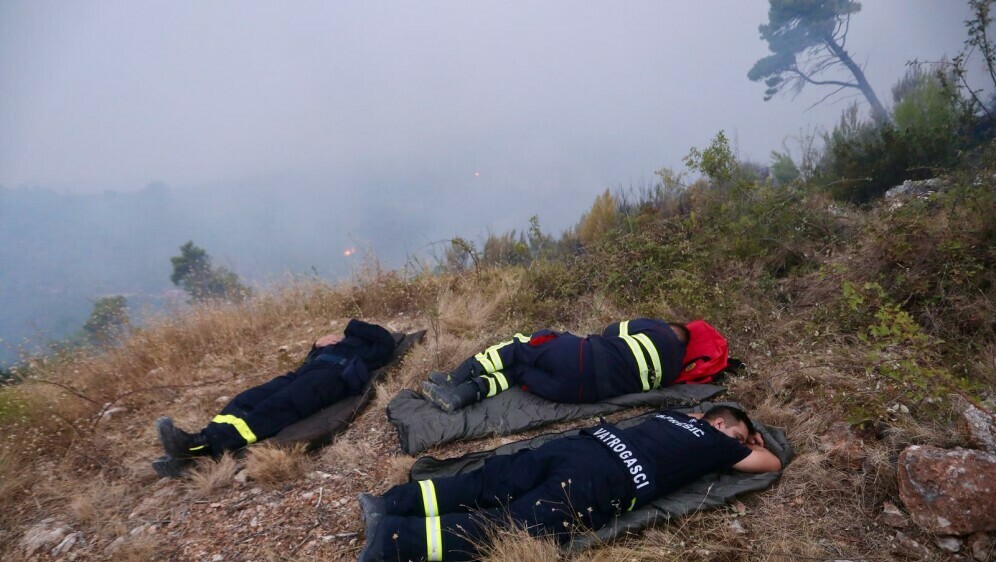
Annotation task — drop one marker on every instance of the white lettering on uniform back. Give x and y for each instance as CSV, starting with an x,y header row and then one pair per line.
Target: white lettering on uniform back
x,y
690,427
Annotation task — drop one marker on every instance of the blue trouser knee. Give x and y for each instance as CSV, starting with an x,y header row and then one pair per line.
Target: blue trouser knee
x,y
264,410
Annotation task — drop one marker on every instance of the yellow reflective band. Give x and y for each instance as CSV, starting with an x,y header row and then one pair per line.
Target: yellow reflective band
x,y
240,426
624,328
522,338
433,525
434,539
654,357
641,363
429,498
197,448
632,504
495,358
502,381
492,388
482,358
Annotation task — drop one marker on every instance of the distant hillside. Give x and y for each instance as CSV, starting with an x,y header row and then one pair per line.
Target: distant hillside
x,y
60,252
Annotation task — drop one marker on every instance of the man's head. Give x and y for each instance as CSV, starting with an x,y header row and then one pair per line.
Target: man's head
x,y
681,332
730,421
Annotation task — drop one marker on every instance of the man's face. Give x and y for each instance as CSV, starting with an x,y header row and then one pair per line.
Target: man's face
x,y
738,431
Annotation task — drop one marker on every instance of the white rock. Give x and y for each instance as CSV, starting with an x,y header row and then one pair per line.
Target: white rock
x,y
217,558
223,399
111,411
46,533
737,527
67,543
115,544
950,544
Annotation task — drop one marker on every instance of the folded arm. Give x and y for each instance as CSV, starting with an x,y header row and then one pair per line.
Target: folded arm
x,y
760,459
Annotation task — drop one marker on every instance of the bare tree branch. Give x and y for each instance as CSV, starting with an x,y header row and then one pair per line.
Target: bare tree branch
x,y
823,82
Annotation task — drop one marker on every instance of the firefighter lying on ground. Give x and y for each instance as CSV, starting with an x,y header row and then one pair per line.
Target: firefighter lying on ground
x,y
628,357
336,367
568,485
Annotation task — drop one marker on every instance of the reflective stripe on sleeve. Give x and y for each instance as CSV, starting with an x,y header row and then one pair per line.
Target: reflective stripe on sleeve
x,y
433,525
240,425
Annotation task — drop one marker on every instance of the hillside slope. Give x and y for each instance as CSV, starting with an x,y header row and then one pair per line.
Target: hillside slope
x,y
866,316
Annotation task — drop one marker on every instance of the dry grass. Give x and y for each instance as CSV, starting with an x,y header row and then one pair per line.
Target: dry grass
x,y
398,468
57,460
140,548
348,452
271,466
15,477
209,476
515,544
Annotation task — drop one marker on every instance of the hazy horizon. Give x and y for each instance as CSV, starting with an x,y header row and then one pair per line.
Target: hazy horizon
x,y
301,130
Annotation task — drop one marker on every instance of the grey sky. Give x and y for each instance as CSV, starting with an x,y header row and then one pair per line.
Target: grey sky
x,y
552,100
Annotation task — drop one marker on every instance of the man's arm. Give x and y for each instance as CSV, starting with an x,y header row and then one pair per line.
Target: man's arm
x,y
760,459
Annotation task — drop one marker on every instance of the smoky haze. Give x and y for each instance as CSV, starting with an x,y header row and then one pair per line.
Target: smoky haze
x,y
286,133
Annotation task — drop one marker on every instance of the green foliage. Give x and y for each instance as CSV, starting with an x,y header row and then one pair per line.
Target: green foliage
x,y
599,220
192,270
863,159
900,353
716,161
108,321
937,256
977,42
783,169
506,249
929,118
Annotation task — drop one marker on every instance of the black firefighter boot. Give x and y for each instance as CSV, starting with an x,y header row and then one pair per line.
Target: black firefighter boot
x,y
179,444
452,398
463,373
372,509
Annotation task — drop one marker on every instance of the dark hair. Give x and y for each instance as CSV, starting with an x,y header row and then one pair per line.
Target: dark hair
x,y
684,336
730,415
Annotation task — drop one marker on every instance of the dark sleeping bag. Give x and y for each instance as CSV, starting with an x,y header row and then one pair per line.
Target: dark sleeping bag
x,y
421,424
709,492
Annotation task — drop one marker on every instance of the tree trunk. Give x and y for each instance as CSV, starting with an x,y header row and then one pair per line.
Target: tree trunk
x,y
878,111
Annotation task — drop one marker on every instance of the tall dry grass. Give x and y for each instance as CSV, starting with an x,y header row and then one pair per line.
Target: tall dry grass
x,y
272,466
61,456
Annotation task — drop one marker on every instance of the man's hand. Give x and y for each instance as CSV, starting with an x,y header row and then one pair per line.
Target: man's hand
x,y
756,439
328,340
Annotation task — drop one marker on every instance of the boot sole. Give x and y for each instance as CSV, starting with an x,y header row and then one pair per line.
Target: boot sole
x,y
168,467
438,397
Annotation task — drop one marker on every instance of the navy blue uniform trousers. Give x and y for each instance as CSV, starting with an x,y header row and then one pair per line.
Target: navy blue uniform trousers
x,y
328,375
556,366
274,405
566,486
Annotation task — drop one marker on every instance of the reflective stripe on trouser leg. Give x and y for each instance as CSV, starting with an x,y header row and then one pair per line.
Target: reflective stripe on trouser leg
x,y
490,358
496,383
239,424
634,348
433,525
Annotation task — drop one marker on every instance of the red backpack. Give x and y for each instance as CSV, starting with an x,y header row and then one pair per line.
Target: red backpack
x,y
705,355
